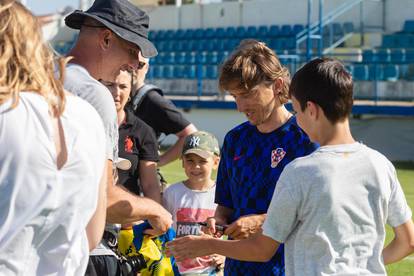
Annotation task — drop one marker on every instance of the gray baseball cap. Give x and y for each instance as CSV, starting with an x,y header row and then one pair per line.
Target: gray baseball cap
x,y
202,143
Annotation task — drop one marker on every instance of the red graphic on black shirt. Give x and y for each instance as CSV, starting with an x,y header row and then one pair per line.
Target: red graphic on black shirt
x,y
128,144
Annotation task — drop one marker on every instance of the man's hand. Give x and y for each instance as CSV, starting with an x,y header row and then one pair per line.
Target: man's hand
x,y
189,247
217,261
245,226
159,223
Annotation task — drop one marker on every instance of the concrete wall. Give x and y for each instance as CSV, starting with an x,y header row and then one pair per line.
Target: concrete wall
x,y
267,12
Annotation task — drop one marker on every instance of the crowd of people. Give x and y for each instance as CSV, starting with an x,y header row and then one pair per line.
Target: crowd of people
x,y
295,194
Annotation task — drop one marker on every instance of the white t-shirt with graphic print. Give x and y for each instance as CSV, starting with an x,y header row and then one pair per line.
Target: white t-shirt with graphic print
x,y
187,208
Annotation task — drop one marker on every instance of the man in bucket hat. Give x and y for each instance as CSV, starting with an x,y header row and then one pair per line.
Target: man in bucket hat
x,y
112,34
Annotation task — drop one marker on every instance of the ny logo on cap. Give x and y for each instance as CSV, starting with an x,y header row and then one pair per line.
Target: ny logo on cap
x,y
194,142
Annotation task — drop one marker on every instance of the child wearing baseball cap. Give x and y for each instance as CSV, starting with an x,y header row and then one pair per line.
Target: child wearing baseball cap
x,y
192,200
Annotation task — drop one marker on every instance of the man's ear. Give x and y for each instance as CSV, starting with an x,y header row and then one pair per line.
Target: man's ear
x,y
277,86
105,38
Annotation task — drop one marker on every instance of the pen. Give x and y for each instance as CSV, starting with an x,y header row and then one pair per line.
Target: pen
x,y
219,228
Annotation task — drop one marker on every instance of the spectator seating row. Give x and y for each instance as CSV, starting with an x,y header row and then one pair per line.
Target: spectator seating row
x,y
215,44
242,32
183,72
385,55
398,40
381,72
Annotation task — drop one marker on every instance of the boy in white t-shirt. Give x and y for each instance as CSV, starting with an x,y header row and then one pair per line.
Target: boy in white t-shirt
x,y
330,207
192,201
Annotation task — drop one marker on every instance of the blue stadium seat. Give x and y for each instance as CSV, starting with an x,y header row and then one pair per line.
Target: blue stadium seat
x,y
160,45
285,30
369,56
152,35
389,41
241,32
337,29
179,58
391,72
212,57
232,43
210,33
276,44
169,34
190,58
297,28
211,45
408,26
167,71
350,69
405,40
383,56
198,33
348,27
274,31
169,45
169,58
161,35
201,58
409,55
230,32
180,34
262,32
221,56
190,71
189,34
397,55
178,72
220,33
211,72
157,72
361,72
222,44
376,72
251,32
289,43
179,46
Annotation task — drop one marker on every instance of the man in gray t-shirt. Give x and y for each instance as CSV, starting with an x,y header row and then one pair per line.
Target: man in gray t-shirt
x,y
112,35
329,208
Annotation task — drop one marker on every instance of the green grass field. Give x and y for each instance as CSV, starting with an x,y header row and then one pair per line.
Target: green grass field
x,y
174,173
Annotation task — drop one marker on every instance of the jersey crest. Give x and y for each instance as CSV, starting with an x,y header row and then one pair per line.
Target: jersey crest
x,y
277,156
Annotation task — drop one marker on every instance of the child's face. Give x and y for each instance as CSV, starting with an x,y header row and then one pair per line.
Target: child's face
x,y
197,168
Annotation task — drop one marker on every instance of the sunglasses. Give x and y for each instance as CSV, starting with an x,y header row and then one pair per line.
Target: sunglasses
x,y
141,64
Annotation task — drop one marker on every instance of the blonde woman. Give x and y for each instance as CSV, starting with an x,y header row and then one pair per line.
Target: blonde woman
x,y
52,154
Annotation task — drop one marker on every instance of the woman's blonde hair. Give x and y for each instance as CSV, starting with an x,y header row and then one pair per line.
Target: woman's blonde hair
x,y
251,64
26,62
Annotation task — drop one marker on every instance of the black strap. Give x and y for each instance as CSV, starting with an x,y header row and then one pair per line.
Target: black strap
x,y
139,96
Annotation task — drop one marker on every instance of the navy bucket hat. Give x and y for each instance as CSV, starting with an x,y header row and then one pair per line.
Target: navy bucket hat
x,y
120,16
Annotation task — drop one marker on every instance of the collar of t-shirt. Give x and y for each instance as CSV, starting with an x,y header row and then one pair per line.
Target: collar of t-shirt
x,y
130,119
342,148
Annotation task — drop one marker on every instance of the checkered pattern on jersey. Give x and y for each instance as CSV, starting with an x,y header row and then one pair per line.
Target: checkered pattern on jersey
x,y
250,166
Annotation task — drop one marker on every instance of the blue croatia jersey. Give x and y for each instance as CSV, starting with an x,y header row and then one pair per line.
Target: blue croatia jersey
x,y
250,166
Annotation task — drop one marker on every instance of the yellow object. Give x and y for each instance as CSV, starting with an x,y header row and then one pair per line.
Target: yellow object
x,y
151,249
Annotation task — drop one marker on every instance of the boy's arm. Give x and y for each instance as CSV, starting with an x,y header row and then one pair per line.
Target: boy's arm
x,y
257,248
402,245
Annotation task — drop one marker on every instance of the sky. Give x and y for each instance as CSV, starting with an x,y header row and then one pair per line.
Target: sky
x,y
40,7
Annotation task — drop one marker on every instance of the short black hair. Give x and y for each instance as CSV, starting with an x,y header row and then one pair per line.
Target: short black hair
x,y
325,82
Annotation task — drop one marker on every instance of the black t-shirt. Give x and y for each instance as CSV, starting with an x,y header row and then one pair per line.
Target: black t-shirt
x,y
161,114
137,142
